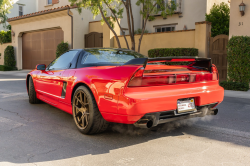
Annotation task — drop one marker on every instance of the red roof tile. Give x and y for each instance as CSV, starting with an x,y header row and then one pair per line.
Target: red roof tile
x,y
41,12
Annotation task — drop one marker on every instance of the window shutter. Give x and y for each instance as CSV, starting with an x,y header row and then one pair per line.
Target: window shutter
x,y
55,1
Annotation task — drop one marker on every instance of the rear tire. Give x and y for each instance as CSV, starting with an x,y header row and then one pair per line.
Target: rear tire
x,y
86,114
32,93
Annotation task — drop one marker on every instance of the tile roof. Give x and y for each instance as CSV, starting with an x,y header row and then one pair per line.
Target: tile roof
x,y
41,12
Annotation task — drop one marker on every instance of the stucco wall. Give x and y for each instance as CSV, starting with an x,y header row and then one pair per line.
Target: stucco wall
x,y
2,48
236,20
192,11
81,26
95,26
197,38
43,22
161,40
29,6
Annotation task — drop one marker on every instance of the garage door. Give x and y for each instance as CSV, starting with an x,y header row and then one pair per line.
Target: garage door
x,y
40,47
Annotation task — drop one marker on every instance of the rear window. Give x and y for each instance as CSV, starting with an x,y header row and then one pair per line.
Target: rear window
x,y
108,57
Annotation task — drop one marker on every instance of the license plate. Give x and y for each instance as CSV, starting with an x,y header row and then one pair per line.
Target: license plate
x,y
186,105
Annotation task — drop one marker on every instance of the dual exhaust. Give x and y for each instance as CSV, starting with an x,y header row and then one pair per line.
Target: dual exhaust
x,y
148,123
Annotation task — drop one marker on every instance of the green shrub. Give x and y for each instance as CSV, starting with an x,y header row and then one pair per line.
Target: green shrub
x,y
6,68
62,48
164,52
5,36
238,57
238,86
219,16
9,57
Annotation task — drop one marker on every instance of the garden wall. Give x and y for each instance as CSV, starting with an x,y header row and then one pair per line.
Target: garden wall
x,y
2,48
194,38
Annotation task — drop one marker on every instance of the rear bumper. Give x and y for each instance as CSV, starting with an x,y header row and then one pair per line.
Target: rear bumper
x,y
135,103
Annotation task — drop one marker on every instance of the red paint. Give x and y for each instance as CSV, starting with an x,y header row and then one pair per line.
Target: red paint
x,y
120,103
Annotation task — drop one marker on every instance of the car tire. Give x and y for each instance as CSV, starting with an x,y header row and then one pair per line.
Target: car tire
x,y
86,114
32,93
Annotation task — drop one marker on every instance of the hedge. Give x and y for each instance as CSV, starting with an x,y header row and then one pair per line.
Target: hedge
x,y
238,57
238,86
164,52
62,48
5,36
6,68
9,57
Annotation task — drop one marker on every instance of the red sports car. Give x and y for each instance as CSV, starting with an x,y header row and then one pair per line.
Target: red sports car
x,y
99,86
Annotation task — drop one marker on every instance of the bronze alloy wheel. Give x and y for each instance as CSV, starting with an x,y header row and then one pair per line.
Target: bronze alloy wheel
x,y
81,110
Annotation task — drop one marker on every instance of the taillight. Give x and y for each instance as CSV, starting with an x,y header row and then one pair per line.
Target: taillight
x,y
215,73
138,80
182,78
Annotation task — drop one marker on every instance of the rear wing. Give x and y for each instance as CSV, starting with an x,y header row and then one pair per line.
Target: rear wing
x,y
198,62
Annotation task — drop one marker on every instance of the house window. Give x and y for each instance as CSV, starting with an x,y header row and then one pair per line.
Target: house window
x,y
159,7
165,28
49,2
20,10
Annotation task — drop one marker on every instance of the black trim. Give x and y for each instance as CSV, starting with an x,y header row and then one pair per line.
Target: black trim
x,y
76,59
138,61
64,89
199,62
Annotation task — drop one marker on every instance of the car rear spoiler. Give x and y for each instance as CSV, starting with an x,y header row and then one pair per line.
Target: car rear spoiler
x,y
203,63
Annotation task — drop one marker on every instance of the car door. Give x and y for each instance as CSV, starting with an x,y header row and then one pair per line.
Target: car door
x,y
49,82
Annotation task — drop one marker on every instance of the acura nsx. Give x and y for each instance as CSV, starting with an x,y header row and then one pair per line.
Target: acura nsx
x,y
98,86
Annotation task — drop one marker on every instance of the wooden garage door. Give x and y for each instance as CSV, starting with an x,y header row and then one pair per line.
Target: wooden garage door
x,y
40,47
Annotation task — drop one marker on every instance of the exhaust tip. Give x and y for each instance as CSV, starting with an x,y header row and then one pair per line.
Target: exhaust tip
x,y
149,124
144,123
216,111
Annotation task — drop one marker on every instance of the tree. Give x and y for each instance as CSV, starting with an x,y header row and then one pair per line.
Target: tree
x,y
219,17
112,10
5,6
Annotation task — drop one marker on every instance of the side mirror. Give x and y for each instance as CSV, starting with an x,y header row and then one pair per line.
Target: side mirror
x,y
41,67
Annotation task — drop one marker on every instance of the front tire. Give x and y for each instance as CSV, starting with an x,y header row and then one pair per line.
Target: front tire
x,y
32,92
86,114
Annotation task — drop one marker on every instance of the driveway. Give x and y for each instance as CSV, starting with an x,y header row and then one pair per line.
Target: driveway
x,y
43,135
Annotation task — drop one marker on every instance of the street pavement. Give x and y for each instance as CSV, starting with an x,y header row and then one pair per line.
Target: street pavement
x,y
43,135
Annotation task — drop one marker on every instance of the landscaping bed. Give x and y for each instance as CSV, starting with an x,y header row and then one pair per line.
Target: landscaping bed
x,y
6,68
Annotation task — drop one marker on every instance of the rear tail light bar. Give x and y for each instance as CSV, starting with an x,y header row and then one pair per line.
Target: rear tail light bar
x,y
138,80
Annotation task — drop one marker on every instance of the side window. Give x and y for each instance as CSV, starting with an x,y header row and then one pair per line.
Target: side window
x,y
62,62
49,2
20,10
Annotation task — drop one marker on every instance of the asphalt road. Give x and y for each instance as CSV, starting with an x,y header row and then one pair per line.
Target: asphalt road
x,y
43,135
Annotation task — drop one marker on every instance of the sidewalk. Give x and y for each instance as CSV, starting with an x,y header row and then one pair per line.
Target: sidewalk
x,y
238,94
20,73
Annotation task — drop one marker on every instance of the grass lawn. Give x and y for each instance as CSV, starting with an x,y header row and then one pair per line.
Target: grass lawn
x,y
6,68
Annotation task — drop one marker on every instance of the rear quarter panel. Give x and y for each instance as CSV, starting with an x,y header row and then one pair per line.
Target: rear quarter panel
x,y
105,83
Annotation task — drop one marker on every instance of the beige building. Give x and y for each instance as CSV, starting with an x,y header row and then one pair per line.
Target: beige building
x,y
21,7
187,13
239,25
